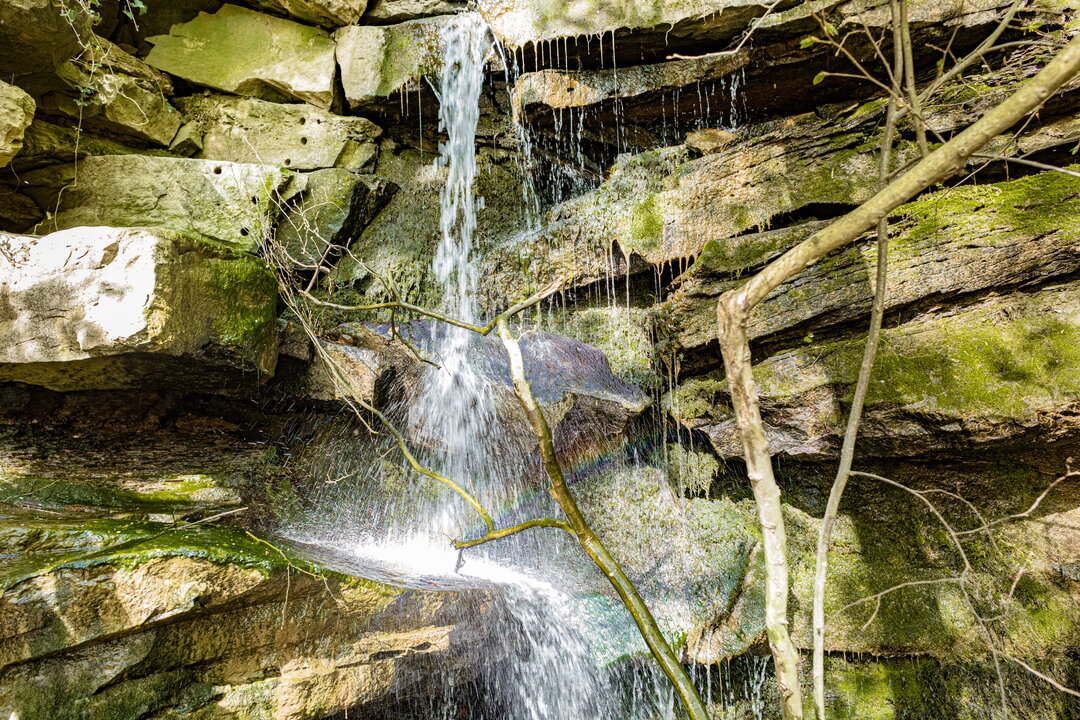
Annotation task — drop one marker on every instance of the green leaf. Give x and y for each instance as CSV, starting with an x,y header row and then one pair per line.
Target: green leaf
x,y
819,77
830,29
807,42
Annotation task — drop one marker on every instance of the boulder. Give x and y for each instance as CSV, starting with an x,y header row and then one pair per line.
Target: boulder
x,y
232,203
106,308
16,114
384,12
377,61
329,13
332,210
18,213
297,136
116,93
150,619
244,52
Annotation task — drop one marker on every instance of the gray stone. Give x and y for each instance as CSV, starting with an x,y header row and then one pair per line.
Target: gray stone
x,y
233,203
333,208
381,12
297,136
107,308
245,52
329,13
16,114
47,144
377,61
116,93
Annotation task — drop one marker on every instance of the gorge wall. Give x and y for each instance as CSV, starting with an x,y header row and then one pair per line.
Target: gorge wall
x,y
166,167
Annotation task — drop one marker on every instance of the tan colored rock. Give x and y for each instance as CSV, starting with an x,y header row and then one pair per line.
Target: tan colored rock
x,y
245,52
547,89
16,114
296,136
221,626
710,140
105,308
328,13
384,12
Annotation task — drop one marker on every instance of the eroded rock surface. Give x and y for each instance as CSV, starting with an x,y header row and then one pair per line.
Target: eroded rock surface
x,y
113,308
16,111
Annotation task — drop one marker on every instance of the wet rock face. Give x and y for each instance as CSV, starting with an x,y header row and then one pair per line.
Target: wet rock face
x,y
377,61
207,621
331,13
114,308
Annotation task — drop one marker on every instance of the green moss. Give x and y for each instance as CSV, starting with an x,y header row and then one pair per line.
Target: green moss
x,y
127,544
646,225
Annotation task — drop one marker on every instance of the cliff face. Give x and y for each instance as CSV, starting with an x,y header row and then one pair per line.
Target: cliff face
x,y
162,169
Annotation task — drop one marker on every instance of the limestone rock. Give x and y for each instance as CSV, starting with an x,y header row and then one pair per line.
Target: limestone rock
x,y
37,38
297,136
382,12
329,13
710,140
332,210
46,144
215,622
16,114
103,308
961,240
377,61
1004,372
245,52
356,376
18,213
232,203
116,93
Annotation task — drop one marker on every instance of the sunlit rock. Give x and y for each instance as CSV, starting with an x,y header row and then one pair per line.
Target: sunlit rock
x,y
329,13
112,91
245,52
1002,373
105,308
381,12
216,621
559,89
232,203
296,136
377,61
16,114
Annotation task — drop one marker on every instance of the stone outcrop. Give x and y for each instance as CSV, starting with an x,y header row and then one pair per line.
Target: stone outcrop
x,y
241,51
16,113
231,203
296,136
212,621
115,93
377,61
330,13
103,308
